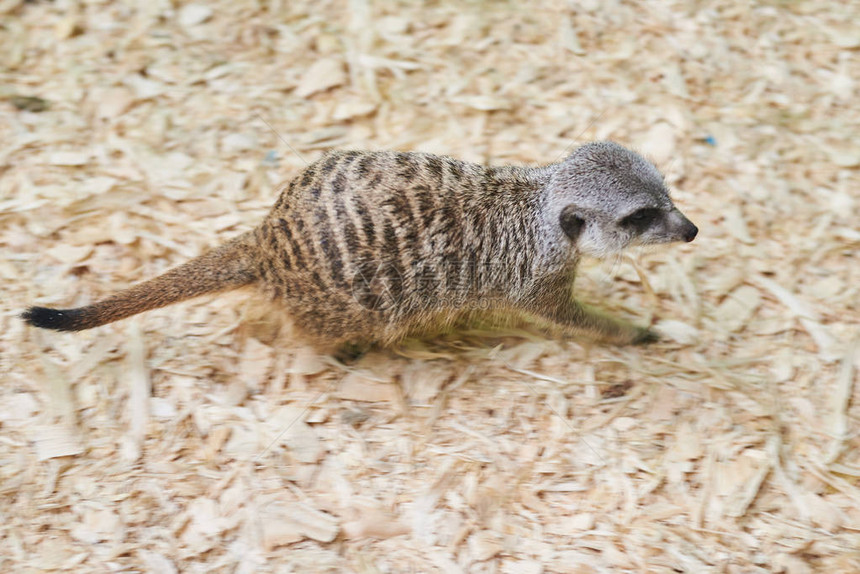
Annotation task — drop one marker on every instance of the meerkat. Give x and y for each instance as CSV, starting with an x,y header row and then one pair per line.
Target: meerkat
x,y
370,247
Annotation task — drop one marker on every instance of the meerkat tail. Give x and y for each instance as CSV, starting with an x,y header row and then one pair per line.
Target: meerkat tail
x,y
227,267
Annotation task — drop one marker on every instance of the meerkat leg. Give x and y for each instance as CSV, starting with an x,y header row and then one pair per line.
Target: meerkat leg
x,y
350,352
605,327
575,318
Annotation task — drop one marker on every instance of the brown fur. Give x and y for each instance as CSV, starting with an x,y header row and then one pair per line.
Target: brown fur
x,y
373,246
227,267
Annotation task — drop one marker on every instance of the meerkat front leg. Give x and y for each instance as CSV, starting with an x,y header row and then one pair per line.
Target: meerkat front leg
x,y
577,319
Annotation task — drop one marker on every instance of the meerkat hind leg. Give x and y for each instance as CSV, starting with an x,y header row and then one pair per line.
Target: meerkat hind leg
x,y
350,352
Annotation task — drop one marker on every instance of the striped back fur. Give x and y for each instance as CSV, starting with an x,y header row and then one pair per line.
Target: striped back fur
x,y
379,242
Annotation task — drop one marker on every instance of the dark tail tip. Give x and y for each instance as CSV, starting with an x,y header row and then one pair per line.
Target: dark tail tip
x,y
57,319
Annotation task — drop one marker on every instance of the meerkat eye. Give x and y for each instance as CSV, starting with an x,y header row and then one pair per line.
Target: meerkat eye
x,y
641,219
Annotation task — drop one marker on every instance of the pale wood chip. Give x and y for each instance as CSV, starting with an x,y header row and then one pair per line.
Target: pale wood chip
x,y
286,523
841,399
677,331
56,441
193,14
137,379
374,523
737,309
356,387
322,75
484,545
69,158
155,562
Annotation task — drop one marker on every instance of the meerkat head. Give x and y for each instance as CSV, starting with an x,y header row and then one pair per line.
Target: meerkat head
x,y
605,198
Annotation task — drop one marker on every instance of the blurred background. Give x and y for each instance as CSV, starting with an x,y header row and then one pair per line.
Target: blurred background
x,y
134,136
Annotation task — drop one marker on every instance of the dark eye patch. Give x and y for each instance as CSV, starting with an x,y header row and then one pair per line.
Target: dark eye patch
x,y
641,219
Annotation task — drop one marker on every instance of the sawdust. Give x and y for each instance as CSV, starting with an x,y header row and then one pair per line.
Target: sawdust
x,y
135,135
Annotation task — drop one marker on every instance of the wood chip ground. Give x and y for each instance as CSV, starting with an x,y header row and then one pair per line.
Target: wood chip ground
x,y
134,135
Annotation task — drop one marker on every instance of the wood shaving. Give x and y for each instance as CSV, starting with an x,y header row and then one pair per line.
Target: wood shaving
x,y
209,437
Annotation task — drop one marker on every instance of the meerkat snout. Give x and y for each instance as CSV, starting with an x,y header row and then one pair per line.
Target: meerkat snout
x,y
652,226
676,227
691,232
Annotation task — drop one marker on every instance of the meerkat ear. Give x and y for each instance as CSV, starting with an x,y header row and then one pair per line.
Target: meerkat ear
x,y
571,223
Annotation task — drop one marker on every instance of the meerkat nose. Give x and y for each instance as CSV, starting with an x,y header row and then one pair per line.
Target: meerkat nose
x,y
690,233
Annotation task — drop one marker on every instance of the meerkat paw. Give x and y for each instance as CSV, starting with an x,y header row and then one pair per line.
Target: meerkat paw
x,y
645,336
349,353
633,336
